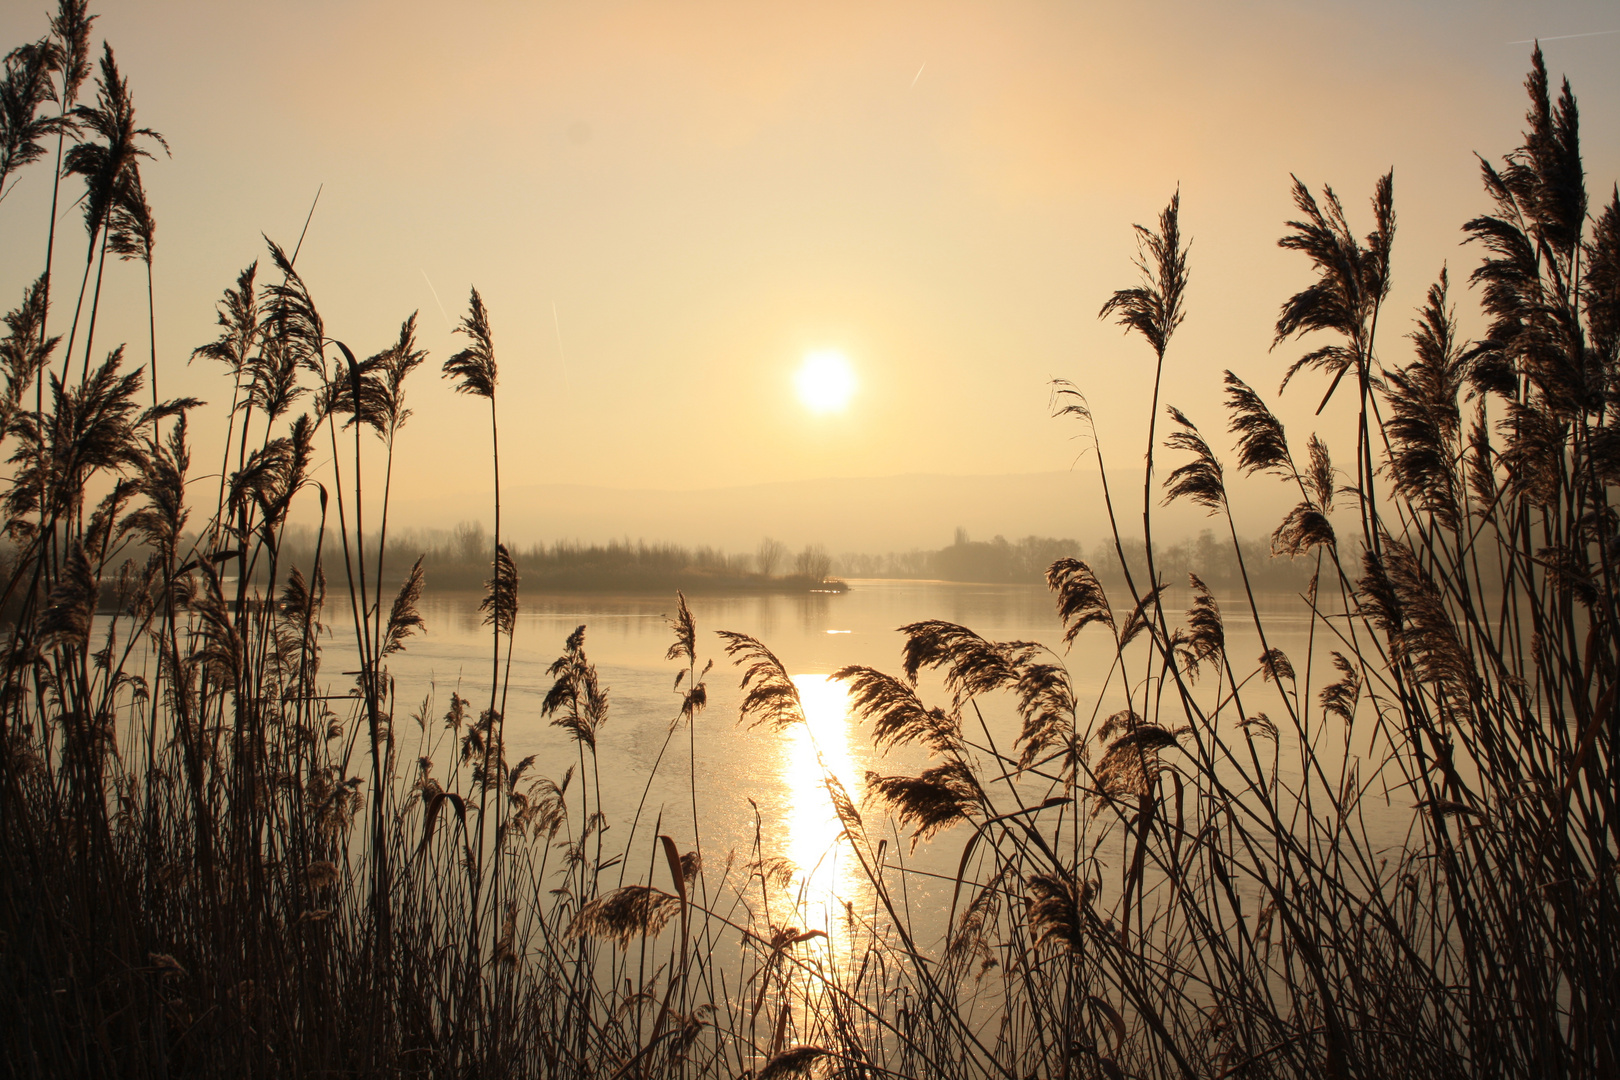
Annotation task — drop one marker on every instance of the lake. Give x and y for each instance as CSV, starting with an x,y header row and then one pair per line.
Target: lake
x,y
757,779
745,778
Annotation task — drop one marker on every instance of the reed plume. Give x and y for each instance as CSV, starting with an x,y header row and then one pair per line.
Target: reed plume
x,y
769,694
626,913
1425,423
25,87
1352,280
898,715
937,798
111,173
1155,308
1204,639
1081,599
1201,478
1262,445
796,1061
25,351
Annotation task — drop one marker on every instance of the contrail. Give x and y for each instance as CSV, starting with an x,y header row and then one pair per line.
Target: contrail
x,y
567,382
1564,37
918,75
436,299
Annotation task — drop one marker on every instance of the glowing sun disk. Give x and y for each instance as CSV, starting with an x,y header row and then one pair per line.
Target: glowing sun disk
x,y
825,381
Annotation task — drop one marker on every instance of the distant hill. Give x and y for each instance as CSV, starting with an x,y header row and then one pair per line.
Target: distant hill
x,y
871,514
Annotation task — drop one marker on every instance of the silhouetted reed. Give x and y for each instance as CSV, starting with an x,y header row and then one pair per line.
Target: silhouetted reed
x,y
222,858
1193,887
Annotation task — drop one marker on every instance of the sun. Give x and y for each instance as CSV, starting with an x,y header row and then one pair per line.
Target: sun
x,y
825,381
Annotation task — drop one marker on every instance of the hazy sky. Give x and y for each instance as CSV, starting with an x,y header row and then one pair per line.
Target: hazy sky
x,y
666,205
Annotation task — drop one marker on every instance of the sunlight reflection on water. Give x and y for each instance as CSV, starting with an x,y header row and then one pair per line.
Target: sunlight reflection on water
x,y
756,784
828,873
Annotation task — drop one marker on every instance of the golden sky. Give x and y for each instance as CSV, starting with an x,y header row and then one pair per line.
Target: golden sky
x,y
666,205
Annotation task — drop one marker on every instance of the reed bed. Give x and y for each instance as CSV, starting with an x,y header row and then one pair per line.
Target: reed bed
x,y
223,858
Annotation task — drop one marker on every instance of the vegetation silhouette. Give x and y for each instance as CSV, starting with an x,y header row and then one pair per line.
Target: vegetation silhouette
x,y
220,858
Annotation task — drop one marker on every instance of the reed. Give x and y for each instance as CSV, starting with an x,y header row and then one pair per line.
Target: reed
x,y
221,857
1190,887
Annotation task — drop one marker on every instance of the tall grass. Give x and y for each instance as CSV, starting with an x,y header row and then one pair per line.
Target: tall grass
x,y
1182,877
222,857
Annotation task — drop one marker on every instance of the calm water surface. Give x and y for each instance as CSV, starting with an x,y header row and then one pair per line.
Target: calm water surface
x,y
746,779
749,780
